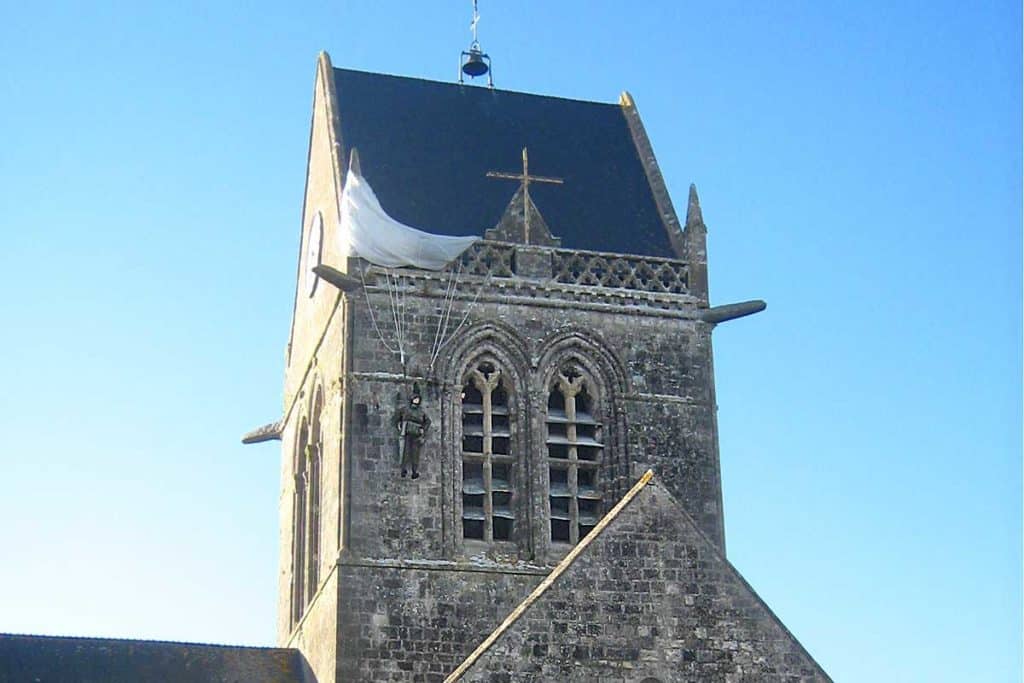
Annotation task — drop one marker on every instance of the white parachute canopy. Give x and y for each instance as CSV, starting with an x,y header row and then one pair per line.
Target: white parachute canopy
x,y
368,232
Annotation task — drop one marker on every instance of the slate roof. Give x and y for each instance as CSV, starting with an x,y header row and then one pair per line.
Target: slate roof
x,y
425,147
47,659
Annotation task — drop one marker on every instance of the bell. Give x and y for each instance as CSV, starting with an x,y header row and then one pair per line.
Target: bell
x,y
475,65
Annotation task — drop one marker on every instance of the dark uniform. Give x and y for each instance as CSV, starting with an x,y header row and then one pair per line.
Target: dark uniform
x,y
413,423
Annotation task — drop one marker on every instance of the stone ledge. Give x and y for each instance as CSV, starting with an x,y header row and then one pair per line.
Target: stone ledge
x,y
482,566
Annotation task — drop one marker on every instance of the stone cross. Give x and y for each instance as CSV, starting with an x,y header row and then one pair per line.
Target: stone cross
x,y
525,178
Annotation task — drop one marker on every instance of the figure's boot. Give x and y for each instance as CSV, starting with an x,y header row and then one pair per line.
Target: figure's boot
x,y
415,474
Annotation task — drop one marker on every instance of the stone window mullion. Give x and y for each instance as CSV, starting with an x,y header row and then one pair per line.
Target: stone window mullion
x,y
574,456
485,388
298,573
312,488
304,557
489,466
570,391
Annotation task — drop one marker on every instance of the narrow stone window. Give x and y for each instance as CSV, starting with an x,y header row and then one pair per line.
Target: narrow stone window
x,y
299,525
575,450
488,466
314,466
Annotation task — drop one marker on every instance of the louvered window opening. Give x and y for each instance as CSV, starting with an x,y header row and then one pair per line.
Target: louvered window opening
x,y
488,466
575,452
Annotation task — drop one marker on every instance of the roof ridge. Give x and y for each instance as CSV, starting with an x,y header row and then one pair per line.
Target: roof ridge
x,y
463,85
544,585
655,178
145,641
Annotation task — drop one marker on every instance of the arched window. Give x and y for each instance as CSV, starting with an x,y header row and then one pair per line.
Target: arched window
x,y
299,523
314,462
489,467
575,454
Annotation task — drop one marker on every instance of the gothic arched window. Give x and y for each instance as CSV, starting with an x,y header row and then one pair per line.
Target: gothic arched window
x,y
575,454
489,468
299,523
314,466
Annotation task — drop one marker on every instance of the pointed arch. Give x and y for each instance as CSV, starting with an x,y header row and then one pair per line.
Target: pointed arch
x,y
503,338
485,413
299,521
590,346
583,440
314,484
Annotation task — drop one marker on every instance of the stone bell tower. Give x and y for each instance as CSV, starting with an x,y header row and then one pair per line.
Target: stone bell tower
x,y
559,357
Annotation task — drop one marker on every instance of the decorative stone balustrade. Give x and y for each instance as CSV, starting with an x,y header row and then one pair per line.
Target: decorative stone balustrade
x,y
496,259
575,267
644,273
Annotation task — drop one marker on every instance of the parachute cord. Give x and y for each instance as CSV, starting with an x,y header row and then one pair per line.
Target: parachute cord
x,y
393,299
447,314
373,318
440,318
405,310
469,309
400,315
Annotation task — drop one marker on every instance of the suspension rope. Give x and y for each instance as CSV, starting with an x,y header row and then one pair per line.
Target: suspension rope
x,y
446,319
446,315
440,318
393,299
398,295
404,308
373,318
469,309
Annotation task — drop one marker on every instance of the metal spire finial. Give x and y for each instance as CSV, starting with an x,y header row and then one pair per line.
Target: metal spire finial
x,y
472,26
474,62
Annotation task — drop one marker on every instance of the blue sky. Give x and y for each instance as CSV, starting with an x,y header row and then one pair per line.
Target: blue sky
x,y
859,166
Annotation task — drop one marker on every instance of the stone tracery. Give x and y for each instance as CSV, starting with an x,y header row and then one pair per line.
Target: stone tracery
x,y
535,457
574,442
489,465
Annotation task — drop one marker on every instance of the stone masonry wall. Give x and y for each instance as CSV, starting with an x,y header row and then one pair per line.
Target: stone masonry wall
x,y
416,625
659,406
314,363
315,635
650,598
413,594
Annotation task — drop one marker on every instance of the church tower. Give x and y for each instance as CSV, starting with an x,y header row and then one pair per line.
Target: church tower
x,y
556,359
